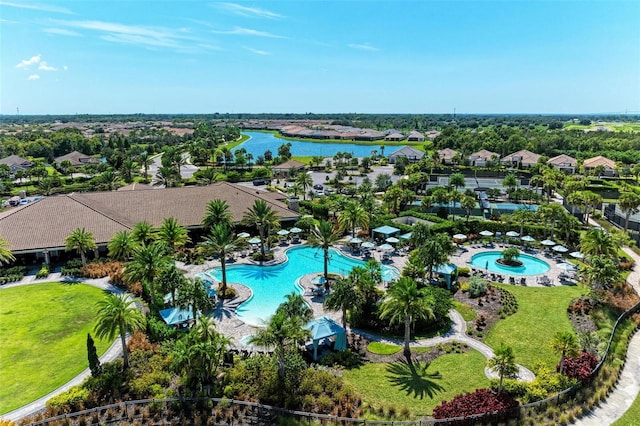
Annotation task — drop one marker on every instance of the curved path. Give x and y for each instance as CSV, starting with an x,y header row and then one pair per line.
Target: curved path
x,y
628,387
114,351
458,333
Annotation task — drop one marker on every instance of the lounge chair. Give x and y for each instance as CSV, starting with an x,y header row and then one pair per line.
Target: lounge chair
x,y
523,281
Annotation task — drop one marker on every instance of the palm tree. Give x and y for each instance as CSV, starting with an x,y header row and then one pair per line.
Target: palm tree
x,y
221,241
323,236
143,233
117,316
262,217
217,212
352,216
598,243
406,303
629,203
521,216
601,272
295,306
145,161
173,234
82,241
344,296
281,332
145,266
510,182
456,181
122,245
305,181
503,362
193,294
565,343
5,254
434,251
468,203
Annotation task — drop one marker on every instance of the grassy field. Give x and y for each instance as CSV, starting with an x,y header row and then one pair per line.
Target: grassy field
x,y
631,416
396,384
614,126
43,335
467,312
542,312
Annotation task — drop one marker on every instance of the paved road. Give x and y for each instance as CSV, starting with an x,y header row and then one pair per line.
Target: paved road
x,y
186,171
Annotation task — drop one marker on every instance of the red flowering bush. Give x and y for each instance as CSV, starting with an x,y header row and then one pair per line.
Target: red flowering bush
x,y
579,367
477,402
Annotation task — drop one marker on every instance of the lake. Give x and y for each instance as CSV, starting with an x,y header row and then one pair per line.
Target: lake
x,y
260,142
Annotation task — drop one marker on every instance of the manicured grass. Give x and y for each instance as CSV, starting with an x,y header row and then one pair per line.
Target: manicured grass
x,y
467,312
632,416
542,313
395,384
43,335
383,348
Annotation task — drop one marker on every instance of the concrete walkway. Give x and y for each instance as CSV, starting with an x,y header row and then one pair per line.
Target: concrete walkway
x,y
114,351
628,387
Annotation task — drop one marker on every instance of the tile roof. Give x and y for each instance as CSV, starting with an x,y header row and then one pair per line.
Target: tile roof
x,y
15,160
77,159
289,164
562,160
524,156
599,161
46,223
407,151
447,153
484,154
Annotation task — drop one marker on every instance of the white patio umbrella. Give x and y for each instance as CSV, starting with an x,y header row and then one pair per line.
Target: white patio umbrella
x,y
459,237
576,255
486,233
568,267
355,240
386,247
295,230
254,240
528,239
368,244
512,234
392,240
548,243
283,232
560,249
244,235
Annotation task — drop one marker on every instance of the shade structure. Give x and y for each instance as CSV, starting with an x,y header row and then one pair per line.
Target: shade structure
x,y
406,236
355,240
386,247
576,255
244,235
528,239
295,230
566,266
560,249
486,233
392,240
368,244
459,237
512,234
283,232
385,230
175,316
254,240
323,328
548,243
318,281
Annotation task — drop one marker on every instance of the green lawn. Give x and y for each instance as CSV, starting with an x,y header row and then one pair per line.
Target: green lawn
x,y
395,384
631,416
43,335
383,348
542,312
467,312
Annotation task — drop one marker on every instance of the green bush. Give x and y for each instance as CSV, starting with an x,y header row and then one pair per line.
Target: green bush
x,y
463,271
345,359
477,286
69,401
43,272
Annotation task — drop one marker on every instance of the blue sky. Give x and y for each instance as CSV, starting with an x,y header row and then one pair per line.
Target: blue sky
x,y
302,56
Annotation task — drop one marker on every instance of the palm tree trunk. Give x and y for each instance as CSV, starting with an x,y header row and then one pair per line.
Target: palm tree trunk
x,y
84,258
344,317
500,384
223,266
407,336
125,355
326,265
626,221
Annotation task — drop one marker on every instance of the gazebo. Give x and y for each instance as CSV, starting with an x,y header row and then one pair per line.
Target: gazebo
x,y
325,328
448,271
385,230
176,316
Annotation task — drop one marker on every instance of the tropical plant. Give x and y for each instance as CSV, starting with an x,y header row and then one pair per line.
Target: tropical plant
x,y
344,296
145,265
122,245
629,203
145,161
81,241
173,234
192,294
295,306
220,241
117,315
503,362
217,212
510,254
5,254
406,303
566,344
521,216
324,237
262,216
143,233
468,203
456,180
305,181
169,280
598,243
434,251
352,216
601,273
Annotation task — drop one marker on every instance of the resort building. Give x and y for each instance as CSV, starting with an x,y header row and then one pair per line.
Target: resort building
x,y
483,158
408,152
40,228
77,159
609,166
564,163
283,170
447,155
521,159
16,163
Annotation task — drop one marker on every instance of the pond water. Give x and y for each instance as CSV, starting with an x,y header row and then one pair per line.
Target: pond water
x,y
261,142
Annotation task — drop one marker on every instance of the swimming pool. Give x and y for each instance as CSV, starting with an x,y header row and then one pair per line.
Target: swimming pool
x,y
531,265
511,207
270,284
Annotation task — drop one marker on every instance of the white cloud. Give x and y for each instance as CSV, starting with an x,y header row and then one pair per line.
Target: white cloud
x,y
62,31
25,63
65,68
33,77
248,32
35,6
365,46
257,52
46,67
240,10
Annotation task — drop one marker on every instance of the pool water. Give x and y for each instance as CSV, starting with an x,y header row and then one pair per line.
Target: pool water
x,y
270,284
530,265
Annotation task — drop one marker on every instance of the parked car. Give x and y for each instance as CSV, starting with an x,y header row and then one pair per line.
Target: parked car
x,y
261,181
318,186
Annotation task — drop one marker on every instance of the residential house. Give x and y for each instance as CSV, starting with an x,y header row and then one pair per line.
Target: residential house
x,y
483,158
394,136
609,166
521,159
283,170
16,163
415,136
564,163
77,159
447,155
412,154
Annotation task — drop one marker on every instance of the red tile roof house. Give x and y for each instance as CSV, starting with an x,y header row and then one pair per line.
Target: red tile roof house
x,y
564,163
609,165
521,159
40,228
483,158
447,155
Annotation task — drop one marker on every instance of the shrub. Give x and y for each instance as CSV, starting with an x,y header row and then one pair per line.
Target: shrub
x,y
229,292
100,269
69,401
477,402
579,367
345,359
43,272
477,286
463,271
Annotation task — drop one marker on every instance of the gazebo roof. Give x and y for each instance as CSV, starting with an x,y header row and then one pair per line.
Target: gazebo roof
x,y
386,230
445,268
174,316
324,327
